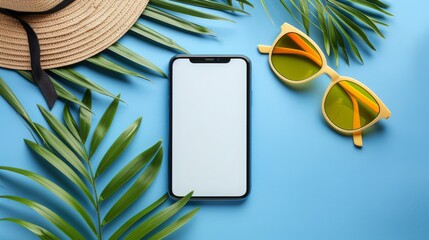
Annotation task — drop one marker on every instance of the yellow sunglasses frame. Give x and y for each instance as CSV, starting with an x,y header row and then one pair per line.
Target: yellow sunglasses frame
x,y
384,112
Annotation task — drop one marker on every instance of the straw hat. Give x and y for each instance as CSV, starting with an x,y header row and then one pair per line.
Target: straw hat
x,y
76,32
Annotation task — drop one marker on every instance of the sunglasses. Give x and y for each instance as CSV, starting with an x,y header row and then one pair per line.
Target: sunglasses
x,y
348,106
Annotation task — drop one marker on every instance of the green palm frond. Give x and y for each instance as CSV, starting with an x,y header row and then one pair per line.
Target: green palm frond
x,y
341,22
165,12
65,149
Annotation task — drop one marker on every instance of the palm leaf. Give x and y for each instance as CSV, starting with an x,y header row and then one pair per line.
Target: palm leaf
x,y
13,101
350,41
189,11
175,225
70,136
268,13
341,43
62,152
136,190
212,5
103,125
172,20
58,191
133,57
357,14
351,25
118,146
128,224
323,25
37,230
242,3
71,123
305,13
85,116
333,38
146,227
336,20
49,215
78,79
107,64
156,37
60,166
129,171
64,133
67,154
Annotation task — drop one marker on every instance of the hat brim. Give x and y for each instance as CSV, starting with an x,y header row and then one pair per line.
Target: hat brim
x,y
77,32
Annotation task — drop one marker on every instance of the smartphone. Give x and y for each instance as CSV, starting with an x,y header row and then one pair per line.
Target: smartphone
x,y
210,127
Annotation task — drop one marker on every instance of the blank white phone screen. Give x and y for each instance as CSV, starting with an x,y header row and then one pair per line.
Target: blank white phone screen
x,y
209,128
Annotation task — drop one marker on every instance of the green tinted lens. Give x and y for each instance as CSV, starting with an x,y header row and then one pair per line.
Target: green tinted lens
x,y
349,106
295,58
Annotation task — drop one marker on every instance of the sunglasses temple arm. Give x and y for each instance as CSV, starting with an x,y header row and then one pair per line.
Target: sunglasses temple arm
x,y
357,139
264,49
304,45
356,94
357,136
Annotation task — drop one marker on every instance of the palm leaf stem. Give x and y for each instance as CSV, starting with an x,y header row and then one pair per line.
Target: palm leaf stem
x,y
97,201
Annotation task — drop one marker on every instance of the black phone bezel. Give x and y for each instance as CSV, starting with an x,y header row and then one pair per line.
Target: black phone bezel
x,y
211,59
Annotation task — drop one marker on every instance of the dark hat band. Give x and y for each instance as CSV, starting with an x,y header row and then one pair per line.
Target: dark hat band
x,y
39,75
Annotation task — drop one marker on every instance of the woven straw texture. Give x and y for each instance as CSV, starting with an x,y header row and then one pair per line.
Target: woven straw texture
x,y
29,5
77,32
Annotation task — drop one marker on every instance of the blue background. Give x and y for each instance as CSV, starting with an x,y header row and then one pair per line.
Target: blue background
x,y
308,181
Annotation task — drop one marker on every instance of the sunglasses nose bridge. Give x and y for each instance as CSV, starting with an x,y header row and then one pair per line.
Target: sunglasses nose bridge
x,y
331,73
